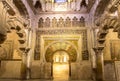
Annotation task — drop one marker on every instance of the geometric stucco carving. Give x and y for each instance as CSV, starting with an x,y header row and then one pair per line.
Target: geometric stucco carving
x,y
82,32
52,49
61,22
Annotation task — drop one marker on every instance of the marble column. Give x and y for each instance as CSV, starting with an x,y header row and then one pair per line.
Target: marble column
x,y
24,66
28,53
28,63
99,64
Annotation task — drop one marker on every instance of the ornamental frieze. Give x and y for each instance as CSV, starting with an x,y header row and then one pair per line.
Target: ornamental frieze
x,y
61,31
41,32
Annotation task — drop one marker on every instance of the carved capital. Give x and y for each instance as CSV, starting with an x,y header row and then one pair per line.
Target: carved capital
x,y
102,33
98,49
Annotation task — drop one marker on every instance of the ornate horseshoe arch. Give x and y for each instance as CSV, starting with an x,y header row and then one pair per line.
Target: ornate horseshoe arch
x,y
61,46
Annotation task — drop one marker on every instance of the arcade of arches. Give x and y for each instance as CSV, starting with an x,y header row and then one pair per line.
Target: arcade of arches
x,y
60,40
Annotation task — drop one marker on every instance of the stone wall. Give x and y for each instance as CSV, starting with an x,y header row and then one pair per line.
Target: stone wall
x,y
35,69
40,70
109,37
81,71
10,69
109,71
117,70
15,46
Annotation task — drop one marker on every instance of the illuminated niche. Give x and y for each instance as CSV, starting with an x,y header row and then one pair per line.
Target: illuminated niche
x,y
60,57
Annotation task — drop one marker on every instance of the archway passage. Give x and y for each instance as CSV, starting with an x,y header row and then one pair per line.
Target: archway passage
x,y
61,54
60,65
61,46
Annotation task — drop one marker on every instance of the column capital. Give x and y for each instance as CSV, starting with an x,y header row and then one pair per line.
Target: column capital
x,y
98,49
99,63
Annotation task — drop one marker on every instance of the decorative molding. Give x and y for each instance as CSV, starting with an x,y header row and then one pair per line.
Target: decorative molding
x,y
60,32
55,23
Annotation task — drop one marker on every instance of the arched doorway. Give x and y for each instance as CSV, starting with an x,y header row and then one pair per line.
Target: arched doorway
x,y
60,54
61,65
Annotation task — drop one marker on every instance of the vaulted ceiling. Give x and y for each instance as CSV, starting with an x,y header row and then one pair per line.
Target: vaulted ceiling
x,y
35,4
101,6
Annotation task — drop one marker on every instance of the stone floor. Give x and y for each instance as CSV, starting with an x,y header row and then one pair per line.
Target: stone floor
x,y
60,71
40,80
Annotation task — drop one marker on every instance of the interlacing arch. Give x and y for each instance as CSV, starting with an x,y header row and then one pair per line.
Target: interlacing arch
x,y
108,23
111,23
